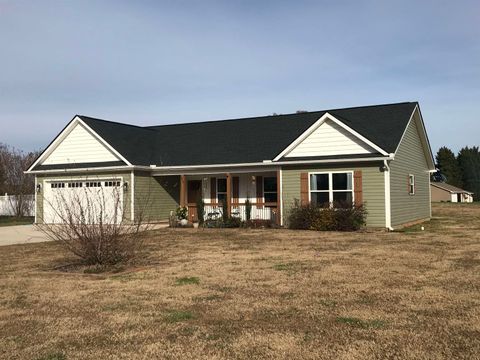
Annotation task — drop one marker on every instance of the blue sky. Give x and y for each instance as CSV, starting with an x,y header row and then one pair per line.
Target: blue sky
x,y
156,62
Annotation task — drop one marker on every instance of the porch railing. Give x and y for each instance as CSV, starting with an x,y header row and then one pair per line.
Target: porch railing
x,y
266,211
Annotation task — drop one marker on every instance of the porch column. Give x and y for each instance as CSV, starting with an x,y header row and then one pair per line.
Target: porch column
x,y
229,194
183,190
279,200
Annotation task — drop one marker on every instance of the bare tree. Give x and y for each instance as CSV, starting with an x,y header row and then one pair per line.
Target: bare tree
x,y
89,220
14,181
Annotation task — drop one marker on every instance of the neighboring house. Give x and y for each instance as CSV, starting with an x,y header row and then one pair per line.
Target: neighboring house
x,y
376,155
445,192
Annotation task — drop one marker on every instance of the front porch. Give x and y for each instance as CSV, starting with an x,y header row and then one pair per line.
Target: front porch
x,y
233,189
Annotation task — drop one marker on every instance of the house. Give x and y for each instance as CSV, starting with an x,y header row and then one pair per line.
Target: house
x,y
445,192
377,155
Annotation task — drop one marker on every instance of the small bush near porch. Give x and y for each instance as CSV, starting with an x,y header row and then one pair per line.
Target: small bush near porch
x,y
339,217
255,294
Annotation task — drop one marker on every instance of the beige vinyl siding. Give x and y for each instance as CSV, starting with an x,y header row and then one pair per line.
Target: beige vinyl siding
x,y
439,195
43,181
330,139
410,159
373,187
156,196
80,146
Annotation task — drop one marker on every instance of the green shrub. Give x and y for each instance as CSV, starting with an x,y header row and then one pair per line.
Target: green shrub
x,y
225,222
182,212
200,211
232,222
224,211
338,217
248,209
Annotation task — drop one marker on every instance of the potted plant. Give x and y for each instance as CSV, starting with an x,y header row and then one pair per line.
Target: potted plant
x,y
182,215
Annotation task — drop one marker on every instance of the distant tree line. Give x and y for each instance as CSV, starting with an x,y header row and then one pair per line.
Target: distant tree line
x,y
13,180
461,170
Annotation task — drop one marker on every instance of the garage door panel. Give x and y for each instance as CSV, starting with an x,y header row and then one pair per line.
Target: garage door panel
x,y
83,201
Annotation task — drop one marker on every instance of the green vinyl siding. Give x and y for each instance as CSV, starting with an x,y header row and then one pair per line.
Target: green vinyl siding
x,y
373,181
155,196
43,181
410,159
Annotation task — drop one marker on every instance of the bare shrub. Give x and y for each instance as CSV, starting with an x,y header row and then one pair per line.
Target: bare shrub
x,y
91,223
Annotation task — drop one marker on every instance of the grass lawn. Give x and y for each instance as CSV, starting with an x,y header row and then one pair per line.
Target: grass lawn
x,y
250,294
12,220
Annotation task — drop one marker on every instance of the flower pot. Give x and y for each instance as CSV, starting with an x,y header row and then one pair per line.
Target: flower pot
x,y
184,222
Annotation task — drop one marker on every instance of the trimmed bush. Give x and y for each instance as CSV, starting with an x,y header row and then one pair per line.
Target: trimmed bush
x,y
248,209
227,222
338,217
200,211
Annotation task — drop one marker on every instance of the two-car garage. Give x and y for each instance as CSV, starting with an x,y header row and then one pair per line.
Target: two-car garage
x,y
83,200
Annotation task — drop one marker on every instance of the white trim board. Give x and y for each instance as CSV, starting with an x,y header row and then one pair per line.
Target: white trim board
x,y
316,125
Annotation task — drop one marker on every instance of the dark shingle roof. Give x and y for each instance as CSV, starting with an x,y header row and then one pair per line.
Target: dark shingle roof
x,y
244,140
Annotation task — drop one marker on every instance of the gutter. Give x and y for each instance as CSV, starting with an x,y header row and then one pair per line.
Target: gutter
x,y
214,166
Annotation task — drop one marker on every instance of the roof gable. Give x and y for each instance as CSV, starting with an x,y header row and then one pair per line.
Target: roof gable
x,y
79,145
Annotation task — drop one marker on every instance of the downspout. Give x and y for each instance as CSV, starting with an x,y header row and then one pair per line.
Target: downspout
x,y
388,205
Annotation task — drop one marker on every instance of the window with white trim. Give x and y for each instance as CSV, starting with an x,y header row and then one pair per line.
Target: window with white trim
x,y
270,189
221,190
331,187
411,184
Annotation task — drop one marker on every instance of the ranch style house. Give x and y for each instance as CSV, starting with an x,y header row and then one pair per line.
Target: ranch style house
x,y
378,155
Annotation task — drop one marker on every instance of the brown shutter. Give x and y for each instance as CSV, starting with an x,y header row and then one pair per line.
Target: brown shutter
x,y
358,187
304,188
236,189
213,190
259,184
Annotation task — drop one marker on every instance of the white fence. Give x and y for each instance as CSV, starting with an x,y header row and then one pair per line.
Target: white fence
x,y
9,202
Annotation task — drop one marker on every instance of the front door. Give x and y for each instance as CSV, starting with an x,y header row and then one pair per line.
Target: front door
x,y
193,194
194,191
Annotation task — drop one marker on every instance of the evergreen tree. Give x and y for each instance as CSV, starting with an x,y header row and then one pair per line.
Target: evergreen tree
x,y
448,166
469,161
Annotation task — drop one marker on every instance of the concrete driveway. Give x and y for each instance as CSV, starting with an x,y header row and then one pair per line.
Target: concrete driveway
x,y
20,234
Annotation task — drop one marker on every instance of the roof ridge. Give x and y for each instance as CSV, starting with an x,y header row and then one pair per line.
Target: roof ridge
x,y
278,115
114,122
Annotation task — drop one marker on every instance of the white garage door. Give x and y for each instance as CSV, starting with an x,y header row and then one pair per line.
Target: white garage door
x,y
83,201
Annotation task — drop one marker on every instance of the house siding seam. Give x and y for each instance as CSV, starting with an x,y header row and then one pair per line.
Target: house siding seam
x,y
155,196
372,188
43,179
410,159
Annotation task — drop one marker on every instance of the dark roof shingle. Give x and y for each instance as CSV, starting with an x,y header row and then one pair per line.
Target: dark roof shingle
x,y
244,140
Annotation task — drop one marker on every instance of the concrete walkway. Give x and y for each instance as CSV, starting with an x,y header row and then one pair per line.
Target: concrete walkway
x,y
20,234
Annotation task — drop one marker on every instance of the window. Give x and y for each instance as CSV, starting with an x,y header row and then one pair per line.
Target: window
x,y
270,189
57,185
112,183
411,184
327,188
75,184
221,190
93,184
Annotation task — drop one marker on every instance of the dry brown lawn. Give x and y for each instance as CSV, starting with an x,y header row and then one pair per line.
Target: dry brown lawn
x,y
254,294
